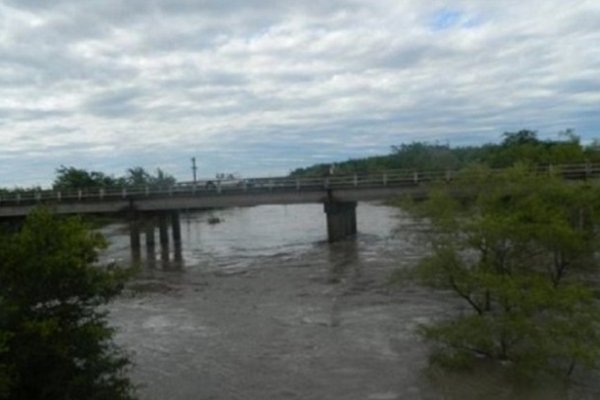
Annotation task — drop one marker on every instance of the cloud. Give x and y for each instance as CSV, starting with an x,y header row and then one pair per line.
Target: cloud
x,y
264,86
114,103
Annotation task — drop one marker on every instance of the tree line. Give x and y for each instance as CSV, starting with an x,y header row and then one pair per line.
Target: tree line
x,y
522,146
73,178
77,178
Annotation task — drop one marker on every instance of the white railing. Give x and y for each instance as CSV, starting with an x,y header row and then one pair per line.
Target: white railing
x,y
392,178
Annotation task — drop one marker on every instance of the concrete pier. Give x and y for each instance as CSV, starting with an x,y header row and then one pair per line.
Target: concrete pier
x,y
341,223
176,233
341,219
150,242
163,233
147,223
176,227
134,238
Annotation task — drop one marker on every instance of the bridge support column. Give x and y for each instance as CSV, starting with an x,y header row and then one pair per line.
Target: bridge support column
x,y
176,233
163,233
150,242
341,219
134,239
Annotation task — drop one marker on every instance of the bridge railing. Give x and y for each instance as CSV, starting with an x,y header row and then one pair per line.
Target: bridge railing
x,y
392,178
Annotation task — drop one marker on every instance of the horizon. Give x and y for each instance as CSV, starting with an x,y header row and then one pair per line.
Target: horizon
x,y
48,185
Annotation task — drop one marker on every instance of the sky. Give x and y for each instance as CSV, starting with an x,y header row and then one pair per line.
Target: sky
x,y
260,87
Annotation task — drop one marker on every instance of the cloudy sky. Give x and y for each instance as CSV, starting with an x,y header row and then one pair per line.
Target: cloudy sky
x,y
259,87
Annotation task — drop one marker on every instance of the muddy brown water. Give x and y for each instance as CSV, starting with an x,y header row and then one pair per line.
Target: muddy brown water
x,y
262,307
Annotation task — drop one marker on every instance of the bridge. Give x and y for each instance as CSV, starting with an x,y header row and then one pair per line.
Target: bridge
x,y
150,207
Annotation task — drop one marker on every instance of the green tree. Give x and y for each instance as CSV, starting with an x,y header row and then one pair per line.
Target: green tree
x,y
516,248
592,151
54,341
162,178
423,156
138,176
524,136
76,178
524,147
4,367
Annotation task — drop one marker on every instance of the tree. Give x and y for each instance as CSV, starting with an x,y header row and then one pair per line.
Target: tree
x,y
76,178
524,147
524,136
54,342
423,156
163,179
4,367
138,176
515,248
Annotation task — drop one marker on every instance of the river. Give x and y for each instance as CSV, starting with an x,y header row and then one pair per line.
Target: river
x,y
262,307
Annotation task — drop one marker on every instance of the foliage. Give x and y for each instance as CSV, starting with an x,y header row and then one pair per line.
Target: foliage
x,y
524,147
138,176
516,248
4,367
516,147
19,190
76,178
54,342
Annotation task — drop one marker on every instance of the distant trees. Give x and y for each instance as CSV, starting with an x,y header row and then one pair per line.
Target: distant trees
x,y
522,146
518,251
54,341
138,176
76,178
524,136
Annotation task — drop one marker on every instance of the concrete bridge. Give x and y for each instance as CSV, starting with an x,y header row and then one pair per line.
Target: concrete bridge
x,y
147,208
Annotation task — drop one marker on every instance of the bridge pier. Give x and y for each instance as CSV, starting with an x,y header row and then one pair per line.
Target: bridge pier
x,y
150,242
149,222
163,234
134,238
176,233
341,219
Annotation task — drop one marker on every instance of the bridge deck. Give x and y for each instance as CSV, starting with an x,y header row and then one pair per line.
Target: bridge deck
x,y
247,192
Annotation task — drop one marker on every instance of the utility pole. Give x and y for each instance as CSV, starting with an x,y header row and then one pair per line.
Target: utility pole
x,y
194,168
